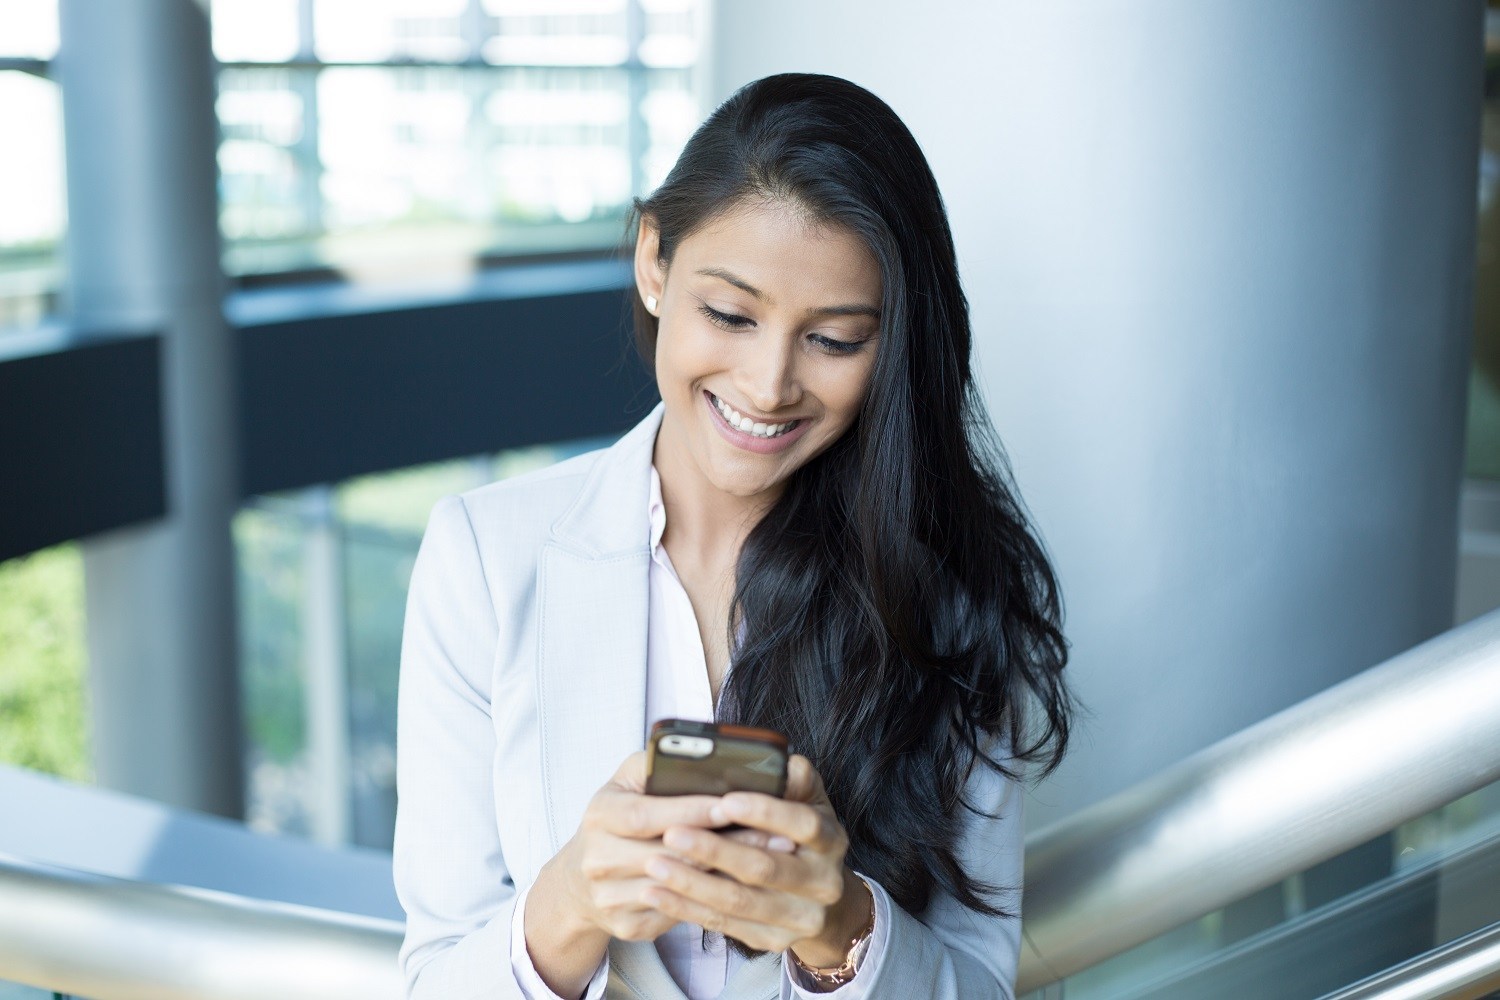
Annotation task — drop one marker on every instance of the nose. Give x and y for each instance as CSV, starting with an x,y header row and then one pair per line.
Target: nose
x,y
767,375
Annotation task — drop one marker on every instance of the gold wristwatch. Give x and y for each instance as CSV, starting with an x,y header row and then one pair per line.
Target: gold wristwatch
x,y
839,975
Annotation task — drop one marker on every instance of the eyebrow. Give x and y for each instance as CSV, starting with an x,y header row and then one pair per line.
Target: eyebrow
x,y
742,284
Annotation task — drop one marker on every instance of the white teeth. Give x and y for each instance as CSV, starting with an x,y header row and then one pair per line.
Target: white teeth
x,y
735,419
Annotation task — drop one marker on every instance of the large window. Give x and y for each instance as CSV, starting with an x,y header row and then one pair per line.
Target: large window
x,y
381,138
385,138
32,203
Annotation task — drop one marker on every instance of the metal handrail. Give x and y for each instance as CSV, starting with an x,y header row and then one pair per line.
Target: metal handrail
x,y
1305,785
116,939
1465,969
1324,776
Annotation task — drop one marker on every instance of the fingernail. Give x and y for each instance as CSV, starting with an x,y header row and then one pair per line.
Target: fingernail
x,y
657,868
678,839
736,808
718,815
780,843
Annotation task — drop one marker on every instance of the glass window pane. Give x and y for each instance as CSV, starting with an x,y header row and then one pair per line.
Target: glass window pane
x,y
557,148
670,111
398,177
410,172
434,165
562,33
28,29
380,30
270,542
671,33
268,163
255,30
32,199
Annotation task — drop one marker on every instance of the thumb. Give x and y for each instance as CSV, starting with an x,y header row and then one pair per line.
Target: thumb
x,y
631,774
803,783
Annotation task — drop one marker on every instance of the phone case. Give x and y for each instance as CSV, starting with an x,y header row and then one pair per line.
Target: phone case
x,y
705,758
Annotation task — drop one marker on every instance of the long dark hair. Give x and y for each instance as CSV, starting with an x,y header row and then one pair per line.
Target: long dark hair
x,y
902,623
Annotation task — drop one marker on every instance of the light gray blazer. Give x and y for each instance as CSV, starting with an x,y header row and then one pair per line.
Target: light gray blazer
x,y
523,687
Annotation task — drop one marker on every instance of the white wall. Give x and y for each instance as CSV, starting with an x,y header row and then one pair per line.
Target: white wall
x,y
1220,261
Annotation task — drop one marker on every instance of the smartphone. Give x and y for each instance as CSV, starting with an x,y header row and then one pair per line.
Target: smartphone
x,y
706,758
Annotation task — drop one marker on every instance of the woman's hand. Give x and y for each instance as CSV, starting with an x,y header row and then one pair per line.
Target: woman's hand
x,y
590,890
806,900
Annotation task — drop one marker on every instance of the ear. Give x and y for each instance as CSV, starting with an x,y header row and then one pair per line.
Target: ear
x,y
650,278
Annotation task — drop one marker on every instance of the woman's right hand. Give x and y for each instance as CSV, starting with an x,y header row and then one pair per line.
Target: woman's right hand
x,y
602,869
591,889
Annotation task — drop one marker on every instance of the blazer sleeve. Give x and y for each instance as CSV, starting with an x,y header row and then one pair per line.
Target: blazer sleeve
x,y
448,869
951,952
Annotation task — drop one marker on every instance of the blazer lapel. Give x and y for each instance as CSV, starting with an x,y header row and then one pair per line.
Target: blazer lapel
x,y
593,606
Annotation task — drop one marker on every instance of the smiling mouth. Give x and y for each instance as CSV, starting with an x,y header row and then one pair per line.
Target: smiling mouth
x,y
743,423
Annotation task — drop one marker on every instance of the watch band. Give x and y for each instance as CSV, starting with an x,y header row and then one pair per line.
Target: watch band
x,y
844,973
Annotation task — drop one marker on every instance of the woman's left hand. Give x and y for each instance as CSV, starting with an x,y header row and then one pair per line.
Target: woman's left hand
x,y
770,899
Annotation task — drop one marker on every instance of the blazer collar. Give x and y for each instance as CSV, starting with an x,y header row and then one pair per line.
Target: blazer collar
x,y
609,514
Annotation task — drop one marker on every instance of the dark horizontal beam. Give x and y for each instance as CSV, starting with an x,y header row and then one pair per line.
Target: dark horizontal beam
x,y
334,382
80,441
328,397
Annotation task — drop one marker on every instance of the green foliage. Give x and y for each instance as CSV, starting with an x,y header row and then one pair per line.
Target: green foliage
x,y
43,663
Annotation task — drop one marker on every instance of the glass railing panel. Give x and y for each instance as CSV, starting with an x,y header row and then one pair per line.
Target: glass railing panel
x,y
270,541
323,580
378,564
1422,885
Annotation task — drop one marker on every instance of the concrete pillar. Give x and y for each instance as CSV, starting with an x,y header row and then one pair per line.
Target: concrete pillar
x,y
143,253
1220,258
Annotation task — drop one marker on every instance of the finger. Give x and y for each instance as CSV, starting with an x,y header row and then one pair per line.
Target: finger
x,y
803,782
674,907
797,821
681,909
759,838
625,895
628,814
722,904
625,857
807,876
625,914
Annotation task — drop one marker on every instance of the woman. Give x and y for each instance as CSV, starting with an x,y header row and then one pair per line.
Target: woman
x,y
808,534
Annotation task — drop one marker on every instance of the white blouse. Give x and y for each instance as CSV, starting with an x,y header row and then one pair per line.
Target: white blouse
x,y
677,687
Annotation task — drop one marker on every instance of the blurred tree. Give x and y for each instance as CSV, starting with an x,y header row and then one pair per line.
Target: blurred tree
x,y
43,662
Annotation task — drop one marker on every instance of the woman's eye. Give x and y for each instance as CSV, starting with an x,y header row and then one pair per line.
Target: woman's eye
x,y
731,321
728,321
833,346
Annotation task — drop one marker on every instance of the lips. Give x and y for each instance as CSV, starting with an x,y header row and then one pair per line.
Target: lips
x,y
748,440
749,425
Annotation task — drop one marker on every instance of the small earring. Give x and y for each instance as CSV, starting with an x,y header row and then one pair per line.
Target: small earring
x,y
651,304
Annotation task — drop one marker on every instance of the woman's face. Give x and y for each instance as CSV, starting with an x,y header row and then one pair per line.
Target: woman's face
x,y
766,342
